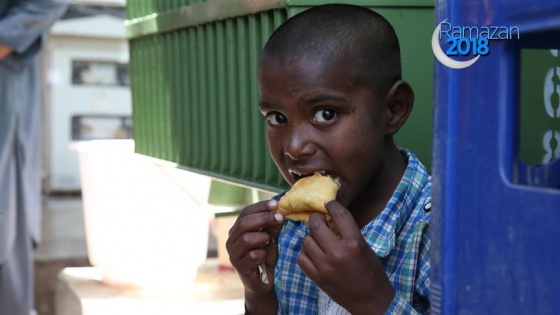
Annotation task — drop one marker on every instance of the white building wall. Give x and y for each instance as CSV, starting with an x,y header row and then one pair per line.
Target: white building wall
x,y
98,39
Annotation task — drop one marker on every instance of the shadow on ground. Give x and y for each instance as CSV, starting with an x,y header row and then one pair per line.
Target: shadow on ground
x,y
45,282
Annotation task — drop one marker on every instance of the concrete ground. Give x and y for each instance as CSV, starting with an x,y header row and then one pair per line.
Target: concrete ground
x,y
63,245
66,283
63,231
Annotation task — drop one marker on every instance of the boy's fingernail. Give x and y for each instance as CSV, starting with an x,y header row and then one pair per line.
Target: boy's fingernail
x,y
272,203
278,217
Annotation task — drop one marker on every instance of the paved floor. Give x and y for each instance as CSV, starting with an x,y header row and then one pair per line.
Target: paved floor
x,y
63,231
63,245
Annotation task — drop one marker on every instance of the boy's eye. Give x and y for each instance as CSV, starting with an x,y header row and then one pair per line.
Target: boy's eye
x,y
324,115
276,119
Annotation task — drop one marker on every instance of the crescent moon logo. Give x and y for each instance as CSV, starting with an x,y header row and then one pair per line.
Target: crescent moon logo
x,y
443,58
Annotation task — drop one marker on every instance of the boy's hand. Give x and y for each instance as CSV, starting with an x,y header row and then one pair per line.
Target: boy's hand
x,y
252,241
4,51
343,265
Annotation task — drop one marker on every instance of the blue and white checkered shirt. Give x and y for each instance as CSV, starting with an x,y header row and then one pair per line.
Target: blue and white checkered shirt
x,y
398,235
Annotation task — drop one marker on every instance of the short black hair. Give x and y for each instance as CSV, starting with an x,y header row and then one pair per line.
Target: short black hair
x,y
332,30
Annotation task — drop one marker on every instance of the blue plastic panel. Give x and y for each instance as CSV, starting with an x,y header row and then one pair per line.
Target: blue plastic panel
x,y
496,229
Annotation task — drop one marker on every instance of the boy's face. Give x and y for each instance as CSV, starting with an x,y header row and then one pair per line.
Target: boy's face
x,y
321,119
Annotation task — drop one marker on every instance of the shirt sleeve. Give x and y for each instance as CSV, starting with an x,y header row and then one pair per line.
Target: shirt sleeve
x,y
27,21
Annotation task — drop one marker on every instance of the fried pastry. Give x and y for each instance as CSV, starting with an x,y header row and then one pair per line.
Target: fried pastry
x,y
308,195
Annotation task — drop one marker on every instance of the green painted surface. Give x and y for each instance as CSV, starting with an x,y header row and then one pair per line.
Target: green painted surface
x,y
164,17
152,17
195,98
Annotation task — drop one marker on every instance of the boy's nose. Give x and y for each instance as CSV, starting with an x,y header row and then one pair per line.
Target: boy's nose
x,y
299,146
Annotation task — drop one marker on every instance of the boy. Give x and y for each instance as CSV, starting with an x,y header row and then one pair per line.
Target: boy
x,y
331,91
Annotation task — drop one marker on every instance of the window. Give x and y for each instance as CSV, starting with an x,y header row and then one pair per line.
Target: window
x,y
99,73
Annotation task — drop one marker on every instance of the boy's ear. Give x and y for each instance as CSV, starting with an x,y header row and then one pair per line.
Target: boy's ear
x,y
398,106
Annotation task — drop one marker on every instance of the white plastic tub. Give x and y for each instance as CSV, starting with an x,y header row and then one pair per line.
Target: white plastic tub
x,y
145,221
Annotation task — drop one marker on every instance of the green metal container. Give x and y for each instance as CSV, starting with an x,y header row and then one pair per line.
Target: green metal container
x,y
193,77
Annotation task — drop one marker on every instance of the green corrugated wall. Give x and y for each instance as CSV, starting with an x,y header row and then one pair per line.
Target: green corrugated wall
x,y
193,80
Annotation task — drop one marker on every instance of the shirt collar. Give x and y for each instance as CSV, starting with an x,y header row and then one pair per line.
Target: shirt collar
x,y
381,232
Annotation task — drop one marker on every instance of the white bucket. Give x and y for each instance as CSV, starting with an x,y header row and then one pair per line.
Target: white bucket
x,y
145,221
